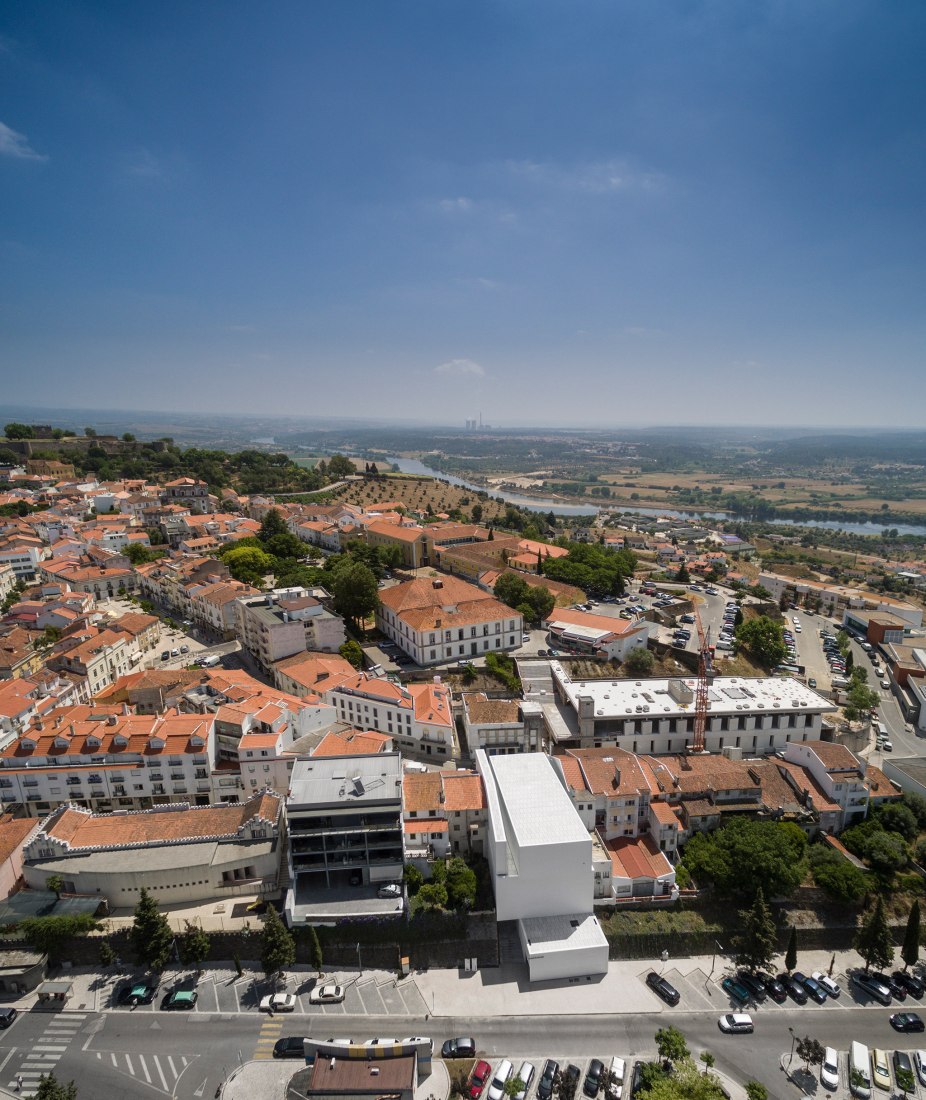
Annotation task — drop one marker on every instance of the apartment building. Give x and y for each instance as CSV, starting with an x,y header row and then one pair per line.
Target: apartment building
x,y
444,618
344,817
502,726
99,657
274,626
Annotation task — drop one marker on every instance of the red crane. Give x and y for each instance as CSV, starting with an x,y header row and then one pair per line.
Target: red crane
x,y
705,673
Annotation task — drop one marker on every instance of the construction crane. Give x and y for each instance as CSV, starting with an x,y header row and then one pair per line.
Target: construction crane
x,y
705,675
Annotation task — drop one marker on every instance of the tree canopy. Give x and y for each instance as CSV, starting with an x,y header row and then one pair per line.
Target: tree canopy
x,y
746,855
873,939
597,570
764,639
278,948
533,600
151,935
757,942
355,591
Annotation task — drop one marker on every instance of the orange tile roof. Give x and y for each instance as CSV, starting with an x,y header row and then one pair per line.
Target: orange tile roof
x,y
664,813
13,833
833,756
80,829
463,791
426,825
637,858
421,791
357,743
592,622
610,770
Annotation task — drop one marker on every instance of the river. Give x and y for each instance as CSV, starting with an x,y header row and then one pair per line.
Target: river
x,y
548,504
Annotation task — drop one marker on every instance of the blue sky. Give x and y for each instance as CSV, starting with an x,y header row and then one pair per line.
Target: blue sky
x,y
579,212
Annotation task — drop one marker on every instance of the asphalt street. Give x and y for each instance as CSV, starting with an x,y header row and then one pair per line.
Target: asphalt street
x,y
124,1055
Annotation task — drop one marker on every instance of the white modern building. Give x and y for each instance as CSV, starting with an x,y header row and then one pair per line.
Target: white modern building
x,y
540,855
613,638
758,715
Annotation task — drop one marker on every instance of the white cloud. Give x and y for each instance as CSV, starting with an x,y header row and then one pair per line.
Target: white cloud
x,y
459,205
13,144
143,164
461,367
591,177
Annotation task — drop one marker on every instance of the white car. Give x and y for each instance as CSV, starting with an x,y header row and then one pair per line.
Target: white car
x,y
278,1002
829,1071
379,1042
390,890
735,1023
525,638
330,994
827,982
919,1064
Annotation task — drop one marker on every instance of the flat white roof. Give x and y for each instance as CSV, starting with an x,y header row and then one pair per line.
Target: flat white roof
x,y
571,932
346,779
726,695
534,801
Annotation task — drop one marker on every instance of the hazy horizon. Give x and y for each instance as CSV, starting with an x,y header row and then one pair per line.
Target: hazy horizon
x,y
601,214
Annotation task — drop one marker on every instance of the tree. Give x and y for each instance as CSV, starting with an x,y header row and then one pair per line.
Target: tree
x,y
107,955
910,951
685,1082
316,957
138,553
904,1078
461,884
15,430
151,935
708,1059
193,945
639,662
746,854
433,895
671,1045
90,433
898,819
757,944
873,939
50,1088
476,513
352,652
278,948
810,1051
510,589
413,879
682,575
127,437
55,883
764,639
756,1091
248,564
791,953
355,592
273,524
513,1086
917,805
339,466
841,879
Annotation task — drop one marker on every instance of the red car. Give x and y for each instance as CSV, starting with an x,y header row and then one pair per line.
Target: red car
x,y
482,1071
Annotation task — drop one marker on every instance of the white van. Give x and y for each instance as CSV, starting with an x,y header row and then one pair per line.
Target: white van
x,y
614,1082
859,1071
499,1080
839,682
209,662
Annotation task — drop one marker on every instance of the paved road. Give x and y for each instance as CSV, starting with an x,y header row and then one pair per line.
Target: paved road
x,y
123,1055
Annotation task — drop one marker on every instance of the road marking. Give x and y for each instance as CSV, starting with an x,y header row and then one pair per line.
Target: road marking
x,y
115,1063
144,1068
157,1066
172,1067
128,1062
7,1058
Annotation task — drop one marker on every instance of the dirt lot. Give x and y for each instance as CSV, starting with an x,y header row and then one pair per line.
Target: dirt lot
x,y
416,494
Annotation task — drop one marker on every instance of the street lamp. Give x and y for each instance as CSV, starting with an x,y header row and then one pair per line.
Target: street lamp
x,y
717,947
359,962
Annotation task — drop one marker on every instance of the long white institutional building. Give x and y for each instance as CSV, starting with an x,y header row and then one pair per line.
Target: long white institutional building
x,y
758,715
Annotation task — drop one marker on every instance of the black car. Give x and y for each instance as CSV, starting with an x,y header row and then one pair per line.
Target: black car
x,y
571,1075
137,993
292,1046
897,989
662,988
912,985
458,1048
593,1077
755,985
7,1016
547,1079
776,990
793,988
906,1021
636,1080
814,989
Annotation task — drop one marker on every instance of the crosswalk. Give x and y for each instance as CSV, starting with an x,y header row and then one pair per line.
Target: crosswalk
x,y
46,1052
160,1071
269,1033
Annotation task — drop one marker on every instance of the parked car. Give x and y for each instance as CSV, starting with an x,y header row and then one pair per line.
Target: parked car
x,y
906,1021
390,890
291,1046
776,990
593,1077
662,988
735,1023
571,1075
380,1041
736,989
458,1048
636,1080
827,982
868,984
897,989
919,1063
813,988
499,1080
477,1079
614,1079
525,1075
911,984
795,990
755,985
278,1002
902,1064
547,1080
880,1071
180,999
329,994
829,1070
137,993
